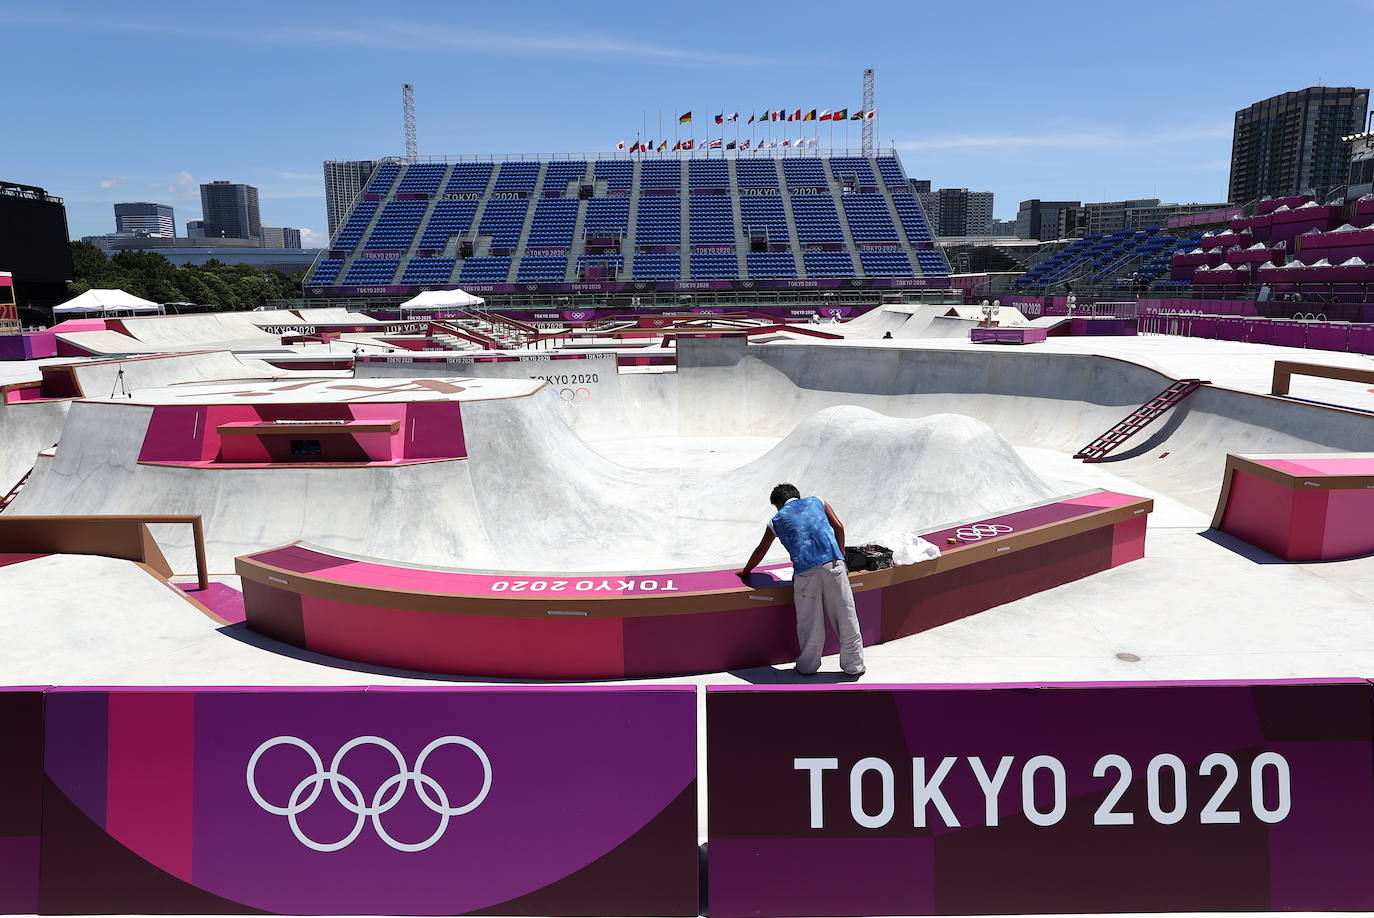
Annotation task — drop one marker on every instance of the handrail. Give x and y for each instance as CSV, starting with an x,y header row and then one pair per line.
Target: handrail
x,y
466,334
112,536
1285,370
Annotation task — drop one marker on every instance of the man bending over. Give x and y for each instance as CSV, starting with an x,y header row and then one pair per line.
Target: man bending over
x,y
814,536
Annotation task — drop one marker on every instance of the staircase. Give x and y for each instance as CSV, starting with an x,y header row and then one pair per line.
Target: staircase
x,y
1139,419
793,241
14,491
684,251
530,204
627,244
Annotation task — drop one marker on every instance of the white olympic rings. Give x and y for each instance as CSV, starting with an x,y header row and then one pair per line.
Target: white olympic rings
x,y
350,796
980,531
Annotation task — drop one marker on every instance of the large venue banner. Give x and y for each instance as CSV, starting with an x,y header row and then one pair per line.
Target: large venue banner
x,y
560,801
952,800
21,797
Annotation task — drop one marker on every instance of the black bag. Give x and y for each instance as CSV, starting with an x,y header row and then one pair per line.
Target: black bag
x,y
871,557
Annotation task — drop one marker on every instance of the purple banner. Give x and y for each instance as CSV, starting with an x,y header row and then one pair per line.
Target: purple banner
x,y
21,798
960,800
371,801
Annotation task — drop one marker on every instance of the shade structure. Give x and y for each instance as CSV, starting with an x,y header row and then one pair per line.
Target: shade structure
x,y
107,301
442,299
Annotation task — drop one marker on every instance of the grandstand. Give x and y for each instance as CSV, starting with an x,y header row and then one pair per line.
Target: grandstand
x,y
612,224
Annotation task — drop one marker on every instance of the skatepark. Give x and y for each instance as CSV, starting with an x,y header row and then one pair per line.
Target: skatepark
x,y
470,527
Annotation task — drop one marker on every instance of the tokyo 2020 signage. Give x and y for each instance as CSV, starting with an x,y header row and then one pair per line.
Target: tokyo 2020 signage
x,y
990,800
378,801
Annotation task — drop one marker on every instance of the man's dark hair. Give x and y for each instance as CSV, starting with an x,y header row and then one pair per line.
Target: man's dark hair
x,y
782,494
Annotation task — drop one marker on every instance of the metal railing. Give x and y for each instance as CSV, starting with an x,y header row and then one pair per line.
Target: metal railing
x,y
697,153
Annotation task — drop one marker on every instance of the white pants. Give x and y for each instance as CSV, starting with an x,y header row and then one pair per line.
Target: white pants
x,y
819,594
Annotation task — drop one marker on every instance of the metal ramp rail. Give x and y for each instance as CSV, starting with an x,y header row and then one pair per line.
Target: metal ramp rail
x,y
1139,419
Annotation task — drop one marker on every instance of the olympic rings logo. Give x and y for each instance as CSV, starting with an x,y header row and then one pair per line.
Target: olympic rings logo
x,y
980,531
386,797
567,397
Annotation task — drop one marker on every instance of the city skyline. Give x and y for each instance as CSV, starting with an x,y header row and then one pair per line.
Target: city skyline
x,y
998,115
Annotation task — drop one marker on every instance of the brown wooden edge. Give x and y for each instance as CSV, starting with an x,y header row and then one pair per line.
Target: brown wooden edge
x,y
539,605
114,536
1285,370
271,429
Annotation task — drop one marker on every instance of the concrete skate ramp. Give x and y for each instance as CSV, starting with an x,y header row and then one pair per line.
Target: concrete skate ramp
x,y
924,320
1047,400
595,399
336,316
231,330
534,496
27,427
107,342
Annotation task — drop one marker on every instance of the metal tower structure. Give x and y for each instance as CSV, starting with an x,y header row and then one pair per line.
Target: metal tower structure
x,y
869,116
408,112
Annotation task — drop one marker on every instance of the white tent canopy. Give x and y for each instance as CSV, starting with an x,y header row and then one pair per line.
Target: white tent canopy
x,y
442,299
107,301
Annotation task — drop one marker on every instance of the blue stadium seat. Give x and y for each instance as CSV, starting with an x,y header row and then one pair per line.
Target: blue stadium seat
x,y
428,271
828,264
886,264
485,269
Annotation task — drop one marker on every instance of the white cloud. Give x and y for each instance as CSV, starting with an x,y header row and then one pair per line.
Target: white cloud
x,y
1108,138
184,185
313,239
387,35
302,176
113,181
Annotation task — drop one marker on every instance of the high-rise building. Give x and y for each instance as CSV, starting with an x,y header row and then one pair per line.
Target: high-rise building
x,y
230,210
145,218
1291,143
280,237
1037,219
920,186
344,180
958,211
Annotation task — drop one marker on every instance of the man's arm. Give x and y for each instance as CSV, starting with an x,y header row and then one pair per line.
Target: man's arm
x,y
764,544
836,525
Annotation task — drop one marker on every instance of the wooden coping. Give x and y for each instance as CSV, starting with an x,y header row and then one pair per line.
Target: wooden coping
x,y
1285,370
294,428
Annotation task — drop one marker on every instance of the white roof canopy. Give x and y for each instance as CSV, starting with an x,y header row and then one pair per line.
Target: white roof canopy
x,y
442,299
107,301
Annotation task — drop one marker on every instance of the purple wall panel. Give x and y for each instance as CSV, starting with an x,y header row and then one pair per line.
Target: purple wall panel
x,y
372,801
21,798
1103,798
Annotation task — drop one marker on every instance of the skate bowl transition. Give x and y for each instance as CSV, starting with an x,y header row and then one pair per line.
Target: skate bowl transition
x,y
470,518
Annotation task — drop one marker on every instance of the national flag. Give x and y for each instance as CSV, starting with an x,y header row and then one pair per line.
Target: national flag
x,y
857,116
840,115
730,145
784,141
794,116
687,144
825,115
685,119
810,116
677,146
869,116
751,118
620,146
744,144
720,119
663,146
733,116
715,145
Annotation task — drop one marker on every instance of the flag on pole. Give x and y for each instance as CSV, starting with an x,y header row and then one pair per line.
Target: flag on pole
x,y
744,144
687,144
840,115
620,146
663,146
751,118
869,116
784,141
794,116
825,115
857,116
685,119
715,145
720,118
733,116
730,145
810,116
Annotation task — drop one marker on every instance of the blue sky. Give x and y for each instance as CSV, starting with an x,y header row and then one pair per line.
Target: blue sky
x,y
1079,100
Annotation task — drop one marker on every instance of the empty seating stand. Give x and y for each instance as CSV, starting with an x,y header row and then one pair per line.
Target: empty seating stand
x,y
755,216
428,271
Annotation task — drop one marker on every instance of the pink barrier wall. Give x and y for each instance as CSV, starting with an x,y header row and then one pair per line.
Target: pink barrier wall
x,y
1023,799
21,781
369,800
